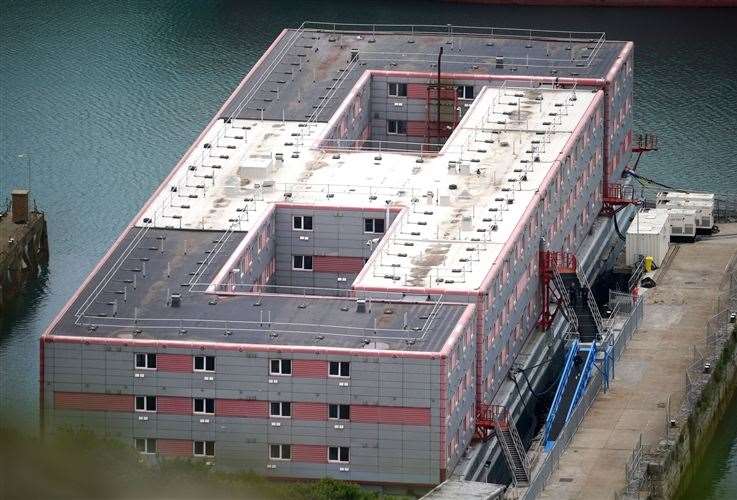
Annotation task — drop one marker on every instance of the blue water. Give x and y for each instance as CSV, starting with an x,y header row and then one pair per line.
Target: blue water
x,y
106,95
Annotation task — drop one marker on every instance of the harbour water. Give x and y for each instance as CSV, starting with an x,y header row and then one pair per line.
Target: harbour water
x,y
105,96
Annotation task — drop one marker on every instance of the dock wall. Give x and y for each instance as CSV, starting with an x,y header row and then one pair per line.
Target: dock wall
x,y
672,470
670,466
20,258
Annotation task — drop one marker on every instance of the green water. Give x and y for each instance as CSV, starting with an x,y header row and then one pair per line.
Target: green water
x,y
107,95
716,477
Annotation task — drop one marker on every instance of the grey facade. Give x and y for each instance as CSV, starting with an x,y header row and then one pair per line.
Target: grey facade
x,y
420,362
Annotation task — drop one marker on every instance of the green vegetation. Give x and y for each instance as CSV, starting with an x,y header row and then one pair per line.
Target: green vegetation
x,y
78,464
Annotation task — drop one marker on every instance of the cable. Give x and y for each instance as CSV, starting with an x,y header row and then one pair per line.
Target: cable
x,y
538,394
616,228
654,182
527,380
514,379
539,364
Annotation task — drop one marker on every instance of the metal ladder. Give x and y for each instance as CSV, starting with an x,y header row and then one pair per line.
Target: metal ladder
x,y
514,452
603,331
568,311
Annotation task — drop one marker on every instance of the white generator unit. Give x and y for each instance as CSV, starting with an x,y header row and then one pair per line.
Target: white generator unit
x,y
702,203
648,235
682,223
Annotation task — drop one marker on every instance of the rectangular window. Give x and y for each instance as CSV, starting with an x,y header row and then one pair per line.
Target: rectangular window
x,y
302,262
203,405
338,454
373,225
302,222
280,367
203,448
147,446
397,90
340,369
339,412
464,91
204,363
280,409
280,452
145,403
396,127
146,361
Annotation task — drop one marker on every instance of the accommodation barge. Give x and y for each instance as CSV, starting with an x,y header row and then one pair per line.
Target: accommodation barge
x,y
342,268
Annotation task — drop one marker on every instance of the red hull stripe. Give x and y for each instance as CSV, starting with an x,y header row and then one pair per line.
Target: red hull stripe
x,y
174,447
310,411
335,264
309,453
179,363
241,408
93,402
309,368
174,405
390,415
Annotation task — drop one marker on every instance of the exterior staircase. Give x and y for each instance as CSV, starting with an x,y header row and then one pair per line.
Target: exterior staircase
x,y
581,300
496,418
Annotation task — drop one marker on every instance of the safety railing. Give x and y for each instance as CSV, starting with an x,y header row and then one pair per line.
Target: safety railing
x,y
455,30
680,404
548,440
593,306
550,458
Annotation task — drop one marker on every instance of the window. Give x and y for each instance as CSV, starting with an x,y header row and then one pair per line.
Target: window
x,y
146,445
281,367
204,405
338,454
465,91
340,369
145,403
280,409
302,222
396,127
373,225
146,360
204,363
302,262
397,90
203,448
339,412
280,452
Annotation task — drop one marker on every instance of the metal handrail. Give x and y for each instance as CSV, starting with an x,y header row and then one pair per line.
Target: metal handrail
x,y
559,392
583,380
454,30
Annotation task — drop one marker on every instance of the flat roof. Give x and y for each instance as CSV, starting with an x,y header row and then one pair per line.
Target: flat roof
x,y
456,208
309,71
462,204
127,299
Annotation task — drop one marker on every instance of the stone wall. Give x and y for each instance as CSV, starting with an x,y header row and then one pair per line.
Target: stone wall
x,y
671,469
23,249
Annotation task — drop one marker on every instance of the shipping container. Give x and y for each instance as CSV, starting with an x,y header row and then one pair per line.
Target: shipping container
x,y
648,235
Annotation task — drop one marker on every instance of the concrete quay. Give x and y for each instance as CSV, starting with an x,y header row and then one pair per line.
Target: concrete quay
x,y
649,377
23,248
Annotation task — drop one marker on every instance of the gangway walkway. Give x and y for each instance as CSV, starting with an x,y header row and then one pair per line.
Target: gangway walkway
x,y
574,377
